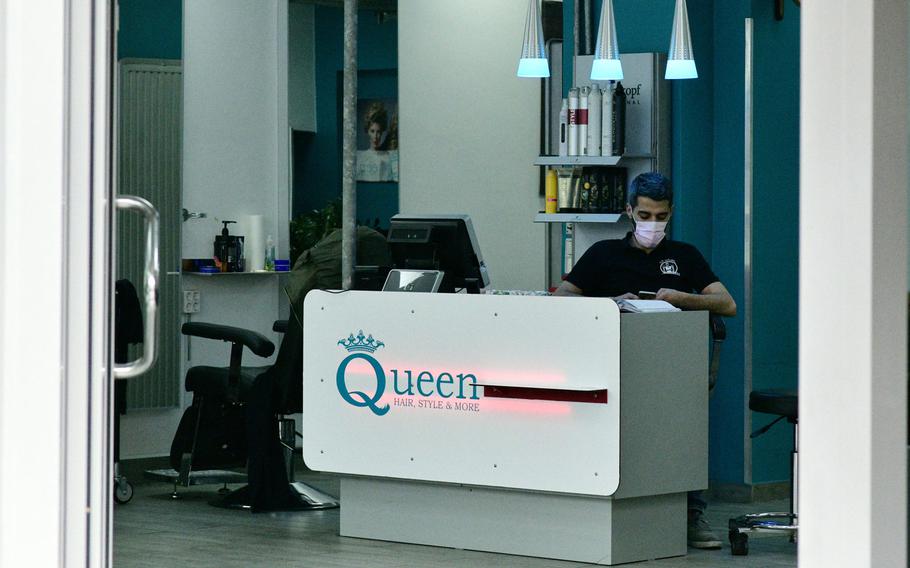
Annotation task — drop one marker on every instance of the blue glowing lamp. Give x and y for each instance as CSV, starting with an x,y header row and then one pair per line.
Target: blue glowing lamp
x,y
681,69
533,62
681,57
606,64
528,67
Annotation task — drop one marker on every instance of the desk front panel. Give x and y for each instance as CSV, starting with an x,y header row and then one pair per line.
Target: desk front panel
x,y
503,391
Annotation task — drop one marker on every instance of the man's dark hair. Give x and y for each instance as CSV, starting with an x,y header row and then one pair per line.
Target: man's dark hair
x,y
651,185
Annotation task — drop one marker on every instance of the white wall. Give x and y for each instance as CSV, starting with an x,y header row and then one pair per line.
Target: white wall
x,y
232,158
853,285
301,66
235,163
470,128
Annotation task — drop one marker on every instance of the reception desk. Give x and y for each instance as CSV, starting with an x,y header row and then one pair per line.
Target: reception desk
x,y
538,426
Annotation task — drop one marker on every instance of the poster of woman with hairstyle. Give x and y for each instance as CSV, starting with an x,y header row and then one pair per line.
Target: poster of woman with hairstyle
x,y
377,140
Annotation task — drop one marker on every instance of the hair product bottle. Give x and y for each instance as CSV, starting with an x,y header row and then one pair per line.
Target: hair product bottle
x,y
619,121
594,114
550,192
606,117
564,128
583,94
573,122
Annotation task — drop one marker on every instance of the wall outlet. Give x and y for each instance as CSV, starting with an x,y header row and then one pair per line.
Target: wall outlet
x,y
191,301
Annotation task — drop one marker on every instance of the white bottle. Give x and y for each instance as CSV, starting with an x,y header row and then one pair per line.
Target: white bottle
x,y
269,254
583,120
573,122
594,110
606,121
564,128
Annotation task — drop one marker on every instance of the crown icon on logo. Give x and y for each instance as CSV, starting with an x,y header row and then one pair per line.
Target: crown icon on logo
x,y
361,343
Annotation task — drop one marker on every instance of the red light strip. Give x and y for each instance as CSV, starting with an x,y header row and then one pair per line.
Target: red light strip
x,y
559,395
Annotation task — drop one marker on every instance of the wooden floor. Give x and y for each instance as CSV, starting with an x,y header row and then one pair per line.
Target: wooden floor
x,y
155,531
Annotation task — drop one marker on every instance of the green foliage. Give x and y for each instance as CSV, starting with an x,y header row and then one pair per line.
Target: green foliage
x,y
309,228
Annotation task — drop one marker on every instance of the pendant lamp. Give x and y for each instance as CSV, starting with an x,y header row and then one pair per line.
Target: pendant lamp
x,y
606,54
533,62
681,58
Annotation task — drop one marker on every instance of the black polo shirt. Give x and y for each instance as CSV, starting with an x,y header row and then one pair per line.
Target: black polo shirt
x,y
614,267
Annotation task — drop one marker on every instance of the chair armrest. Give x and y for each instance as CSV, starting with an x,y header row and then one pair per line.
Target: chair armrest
x,y
280,326
718,335
256,342
718,328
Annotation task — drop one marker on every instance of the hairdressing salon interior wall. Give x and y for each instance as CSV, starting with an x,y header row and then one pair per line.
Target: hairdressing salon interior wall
x,y
469,135
470,129
235,163
149,29
708,174
317,155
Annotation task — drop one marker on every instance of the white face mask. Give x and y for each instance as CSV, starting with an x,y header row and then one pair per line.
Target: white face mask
x,y
650,233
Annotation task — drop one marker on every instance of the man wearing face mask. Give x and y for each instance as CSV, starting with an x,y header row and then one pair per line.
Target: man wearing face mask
x,y
647,261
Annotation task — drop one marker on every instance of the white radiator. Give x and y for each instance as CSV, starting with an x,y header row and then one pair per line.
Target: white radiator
x,y
150,117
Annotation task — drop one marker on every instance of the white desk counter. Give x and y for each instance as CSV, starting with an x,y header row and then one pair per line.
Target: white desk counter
x,y
538,426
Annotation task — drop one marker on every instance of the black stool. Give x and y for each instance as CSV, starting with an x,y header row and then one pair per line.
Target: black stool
x,y
783,404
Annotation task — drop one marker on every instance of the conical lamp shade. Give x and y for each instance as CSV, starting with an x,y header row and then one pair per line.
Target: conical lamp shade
x,y
606,53
681,57
533,62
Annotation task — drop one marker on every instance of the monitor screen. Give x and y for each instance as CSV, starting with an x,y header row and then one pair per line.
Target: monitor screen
x,y
439,242
413,281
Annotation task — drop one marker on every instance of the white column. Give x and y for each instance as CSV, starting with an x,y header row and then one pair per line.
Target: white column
x,y
32,96
853,284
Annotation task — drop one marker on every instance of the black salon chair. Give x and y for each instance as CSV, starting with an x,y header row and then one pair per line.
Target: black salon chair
x,y
210,443
128,330
785,405
239,417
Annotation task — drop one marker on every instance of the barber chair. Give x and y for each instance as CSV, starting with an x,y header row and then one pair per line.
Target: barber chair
x,y
785,405
239,415
210,437
128,331
213,434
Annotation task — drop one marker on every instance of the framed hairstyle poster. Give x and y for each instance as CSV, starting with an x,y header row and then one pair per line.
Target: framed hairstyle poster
x,y
377,140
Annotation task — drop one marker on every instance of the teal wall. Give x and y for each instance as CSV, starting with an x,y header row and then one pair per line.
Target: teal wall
x,y
728,446
151,29
317,157
708,156
775,227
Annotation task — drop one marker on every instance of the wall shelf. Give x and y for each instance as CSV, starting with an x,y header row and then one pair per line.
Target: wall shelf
x,y
577,160
579,217
255,273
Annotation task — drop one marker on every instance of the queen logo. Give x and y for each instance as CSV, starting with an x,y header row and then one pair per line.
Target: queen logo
x,y
362,347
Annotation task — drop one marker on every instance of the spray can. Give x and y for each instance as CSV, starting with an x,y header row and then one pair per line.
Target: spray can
x,y
564,128
594,121
594,199
583,94
550,192
573,122
619,122
606,117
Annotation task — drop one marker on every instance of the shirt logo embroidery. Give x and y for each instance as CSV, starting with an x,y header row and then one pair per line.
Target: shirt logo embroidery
x,y
669,267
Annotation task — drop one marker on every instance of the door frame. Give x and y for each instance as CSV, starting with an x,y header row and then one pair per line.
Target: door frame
x,y
55,309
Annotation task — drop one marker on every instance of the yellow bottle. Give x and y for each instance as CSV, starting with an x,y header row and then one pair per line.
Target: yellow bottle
x,y
550,192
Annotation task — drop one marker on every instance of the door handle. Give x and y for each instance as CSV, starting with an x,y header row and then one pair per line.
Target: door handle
x,y
150,280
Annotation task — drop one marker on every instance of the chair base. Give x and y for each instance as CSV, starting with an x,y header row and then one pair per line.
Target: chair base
x,y
201,477
741,527
306,498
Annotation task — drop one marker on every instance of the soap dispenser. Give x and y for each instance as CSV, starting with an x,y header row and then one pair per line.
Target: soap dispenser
x,y
228,250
